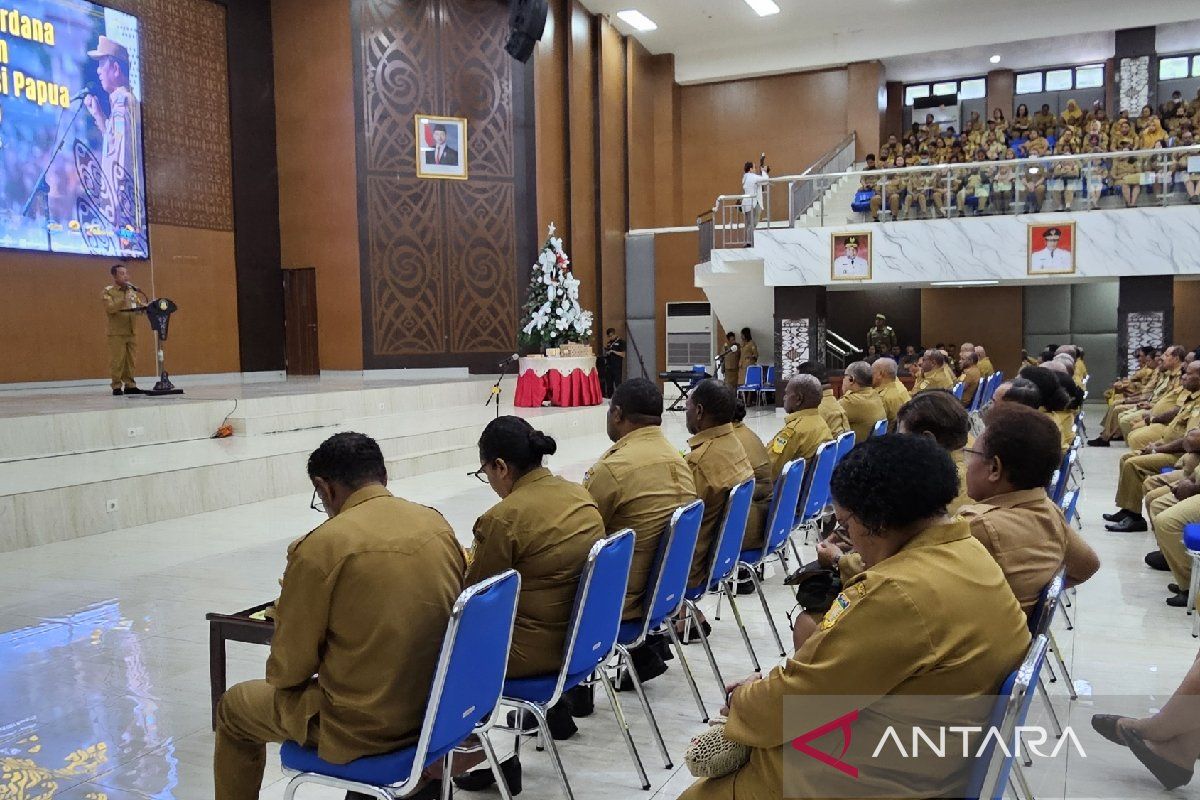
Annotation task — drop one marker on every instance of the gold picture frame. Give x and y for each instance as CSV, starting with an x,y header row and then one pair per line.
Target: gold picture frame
x,y
845,268
1049,260
452,152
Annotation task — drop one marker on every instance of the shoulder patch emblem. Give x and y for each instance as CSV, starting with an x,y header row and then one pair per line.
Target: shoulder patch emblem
x,y
780,441
840,604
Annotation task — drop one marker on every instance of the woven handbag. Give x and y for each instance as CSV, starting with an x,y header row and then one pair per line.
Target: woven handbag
x,y
712,755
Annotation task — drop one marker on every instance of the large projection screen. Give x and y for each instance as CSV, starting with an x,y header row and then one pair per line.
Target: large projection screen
x,y
71,130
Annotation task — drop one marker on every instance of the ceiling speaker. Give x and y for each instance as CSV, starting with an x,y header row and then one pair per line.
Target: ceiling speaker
x,y
526,23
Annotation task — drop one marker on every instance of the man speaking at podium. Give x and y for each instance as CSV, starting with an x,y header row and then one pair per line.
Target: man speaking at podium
x,y
122,340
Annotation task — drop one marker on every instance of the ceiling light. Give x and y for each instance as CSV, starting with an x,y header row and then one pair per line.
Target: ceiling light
x,y
764,8
957,284
637,20
995,59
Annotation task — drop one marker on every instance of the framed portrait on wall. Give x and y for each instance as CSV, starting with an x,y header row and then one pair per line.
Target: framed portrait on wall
x,y
1051,248
441,147
850,256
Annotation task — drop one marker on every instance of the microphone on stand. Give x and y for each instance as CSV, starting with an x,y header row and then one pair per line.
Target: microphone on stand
x,y
509,360
82,93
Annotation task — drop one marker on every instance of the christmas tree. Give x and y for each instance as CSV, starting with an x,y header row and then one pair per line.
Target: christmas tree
x,y
552,315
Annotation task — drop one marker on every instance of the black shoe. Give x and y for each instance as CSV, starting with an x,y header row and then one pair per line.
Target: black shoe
x,y
1170,775
1130,524
1173,588
1099,441
558,717
646,662
662,645
1117,517
1106,726
133,390
479,779
1179,600
694,635
117,393
580,700
1156,560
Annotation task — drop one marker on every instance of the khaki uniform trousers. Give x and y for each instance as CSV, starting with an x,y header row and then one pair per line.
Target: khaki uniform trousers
x,y
120,360
731,378
1144,437
1131,421
1168,515
1110,427
1135,469
247,718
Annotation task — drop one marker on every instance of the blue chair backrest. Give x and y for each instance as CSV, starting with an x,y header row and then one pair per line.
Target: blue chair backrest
x,y
989,774
783,505
699,369
598,603
754,375
997,379
1064,472
880,428
957,391
728,546
1070,511
1042,614
821,471
673,563
470,670
1068,499
845,443
1191,536
769,377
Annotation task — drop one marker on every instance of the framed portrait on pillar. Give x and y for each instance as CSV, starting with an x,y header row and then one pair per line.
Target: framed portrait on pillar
x,y
441,144
1051,248
850,256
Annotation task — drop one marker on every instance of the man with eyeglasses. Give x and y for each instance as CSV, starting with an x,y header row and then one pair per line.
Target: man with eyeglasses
x,y
365,600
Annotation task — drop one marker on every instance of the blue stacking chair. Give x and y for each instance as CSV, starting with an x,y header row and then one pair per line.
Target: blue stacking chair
x,y
780,518
957,391
816,496
754,381
664,598
768,383
1059,487
1040,617
722,561
1191,542
591,638
845,443
880,428
1068,505
993,769
462,698
997,379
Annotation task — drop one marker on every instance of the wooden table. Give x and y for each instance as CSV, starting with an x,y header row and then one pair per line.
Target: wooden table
x,y
238,627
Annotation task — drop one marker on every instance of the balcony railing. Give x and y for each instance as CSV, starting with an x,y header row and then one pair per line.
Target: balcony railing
x,y
1159,176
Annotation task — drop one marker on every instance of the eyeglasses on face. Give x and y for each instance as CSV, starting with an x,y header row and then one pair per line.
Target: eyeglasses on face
x,y
316,504
479,475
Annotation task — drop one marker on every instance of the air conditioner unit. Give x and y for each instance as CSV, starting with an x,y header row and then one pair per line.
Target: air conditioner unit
x,y
689,336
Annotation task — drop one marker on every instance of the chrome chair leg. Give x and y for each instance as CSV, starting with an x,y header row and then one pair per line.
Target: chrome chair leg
x,y
447,771
544,732
687,669
1062,665
1058,730
1063,605
489,752
624,658
624,726
728,589
762,598
1024,784
712,661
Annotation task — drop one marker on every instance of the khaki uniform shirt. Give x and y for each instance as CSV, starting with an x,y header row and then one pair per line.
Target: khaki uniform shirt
x,y
802,433
893,394
937,618
1065,420
120,323
970,379
718,464
985,367
883,338
1029,538
747,355
729,364
1186,419
959,457
1081,372
638,483
544,530
863,409
364,604
764,484
835,416
936,379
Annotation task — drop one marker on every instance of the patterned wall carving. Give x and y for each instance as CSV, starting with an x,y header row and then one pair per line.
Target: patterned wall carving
x,y
185,112
439,256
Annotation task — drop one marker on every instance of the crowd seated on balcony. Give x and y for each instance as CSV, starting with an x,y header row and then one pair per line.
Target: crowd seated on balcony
x,y
1028,184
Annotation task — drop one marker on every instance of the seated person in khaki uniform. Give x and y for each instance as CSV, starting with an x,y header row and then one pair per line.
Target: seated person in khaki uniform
x,y
1056,401
909,624
363,608
1173,501
934,372
1138,465
764,481
638,483
830,408
938,414
543,527
891,391
985,364
1008,470
971,376
804,430
862,406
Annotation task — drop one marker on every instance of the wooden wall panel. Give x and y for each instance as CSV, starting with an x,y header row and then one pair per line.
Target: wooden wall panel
x,y
992,316
642,136
550,109
674,280
1001,87
318,205
1187,321
613,174
581,67
667,188
794,118
864,114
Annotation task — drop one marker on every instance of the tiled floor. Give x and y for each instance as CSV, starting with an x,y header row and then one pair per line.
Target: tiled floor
x,y
104,657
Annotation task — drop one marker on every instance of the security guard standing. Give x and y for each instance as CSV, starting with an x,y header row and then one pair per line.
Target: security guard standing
x,y
118,297
804,429
881,335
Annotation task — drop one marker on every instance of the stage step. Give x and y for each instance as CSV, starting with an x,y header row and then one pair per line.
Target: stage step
x,y
79,494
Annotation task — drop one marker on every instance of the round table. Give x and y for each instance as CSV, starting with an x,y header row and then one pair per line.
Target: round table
x,y
562,381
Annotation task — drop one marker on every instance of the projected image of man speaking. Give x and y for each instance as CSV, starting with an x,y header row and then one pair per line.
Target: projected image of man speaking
x,y
121,127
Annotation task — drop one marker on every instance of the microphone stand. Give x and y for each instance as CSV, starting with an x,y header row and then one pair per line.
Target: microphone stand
x,y
42,187
494,394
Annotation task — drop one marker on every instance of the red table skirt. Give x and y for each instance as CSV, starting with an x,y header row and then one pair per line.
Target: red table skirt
x,y
577,389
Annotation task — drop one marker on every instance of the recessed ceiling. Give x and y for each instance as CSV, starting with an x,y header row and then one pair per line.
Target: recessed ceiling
x,y
723,39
